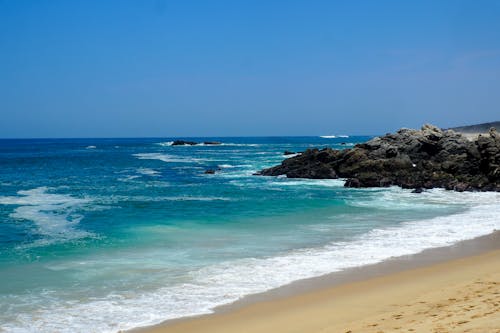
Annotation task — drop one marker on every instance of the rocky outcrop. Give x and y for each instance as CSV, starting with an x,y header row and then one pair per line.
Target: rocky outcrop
x,y
184,143
418,159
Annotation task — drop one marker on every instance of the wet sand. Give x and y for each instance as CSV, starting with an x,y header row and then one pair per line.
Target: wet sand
x,y
450,289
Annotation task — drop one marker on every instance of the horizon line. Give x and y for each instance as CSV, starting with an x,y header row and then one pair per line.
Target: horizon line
x,y
339,136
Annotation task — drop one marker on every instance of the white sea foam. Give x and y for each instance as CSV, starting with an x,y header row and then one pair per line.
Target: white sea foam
x,y
395,198
228,281
128,178
226,166
148,172
165,144
54,215
333,136
241,144
167,158
90,147
169,143
229,144
308,182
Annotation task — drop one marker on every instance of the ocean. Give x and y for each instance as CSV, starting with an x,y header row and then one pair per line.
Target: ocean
x,y
98,235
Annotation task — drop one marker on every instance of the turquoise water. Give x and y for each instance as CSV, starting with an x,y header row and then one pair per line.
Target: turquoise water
x,y
98,235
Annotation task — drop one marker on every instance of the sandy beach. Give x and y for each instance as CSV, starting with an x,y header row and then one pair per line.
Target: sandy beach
x,y
453,289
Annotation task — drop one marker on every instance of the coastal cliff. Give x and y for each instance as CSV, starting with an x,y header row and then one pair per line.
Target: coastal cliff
x,y
419,159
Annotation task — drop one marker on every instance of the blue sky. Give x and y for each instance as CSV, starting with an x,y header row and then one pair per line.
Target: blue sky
x,y
231,68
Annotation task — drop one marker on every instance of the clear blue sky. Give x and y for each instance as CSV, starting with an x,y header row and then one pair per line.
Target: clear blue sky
x,y
230,68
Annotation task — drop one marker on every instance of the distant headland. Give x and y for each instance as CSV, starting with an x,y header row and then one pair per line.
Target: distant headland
x,y
477,128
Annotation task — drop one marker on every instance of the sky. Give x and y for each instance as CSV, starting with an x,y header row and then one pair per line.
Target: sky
x,y
154,68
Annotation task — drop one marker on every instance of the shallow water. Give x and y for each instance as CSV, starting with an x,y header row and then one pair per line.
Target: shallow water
x,y
98,235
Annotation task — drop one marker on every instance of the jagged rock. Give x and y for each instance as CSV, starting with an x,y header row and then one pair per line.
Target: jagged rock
x,y
418,159
287,152
184,143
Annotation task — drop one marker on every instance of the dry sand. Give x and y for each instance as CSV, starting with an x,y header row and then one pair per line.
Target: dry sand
x,y
460,295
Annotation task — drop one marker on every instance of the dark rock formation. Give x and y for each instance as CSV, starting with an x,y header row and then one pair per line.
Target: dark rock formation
x,y
418,159
287,152
211,143
209,172
183,143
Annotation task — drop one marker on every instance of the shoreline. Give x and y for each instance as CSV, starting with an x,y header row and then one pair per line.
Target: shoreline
x,y
467,251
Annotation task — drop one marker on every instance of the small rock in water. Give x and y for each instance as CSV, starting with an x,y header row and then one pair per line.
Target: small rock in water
x,y
287,152
352,182
183,143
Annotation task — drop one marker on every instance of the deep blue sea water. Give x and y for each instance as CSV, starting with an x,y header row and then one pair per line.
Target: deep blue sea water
x,y
98,235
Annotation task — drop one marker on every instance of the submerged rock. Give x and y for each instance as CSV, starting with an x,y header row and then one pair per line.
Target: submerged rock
x,y
212,143
417,159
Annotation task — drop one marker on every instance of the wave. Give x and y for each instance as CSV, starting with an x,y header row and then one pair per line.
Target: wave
x,y
90,147
333,136
308,182
127,178
165,144
148,172
169,143
167,158
54,215
241,144
142,198
226,166
229,281
395,198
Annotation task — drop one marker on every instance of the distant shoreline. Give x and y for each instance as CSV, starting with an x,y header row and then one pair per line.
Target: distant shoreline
x,y
476,128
